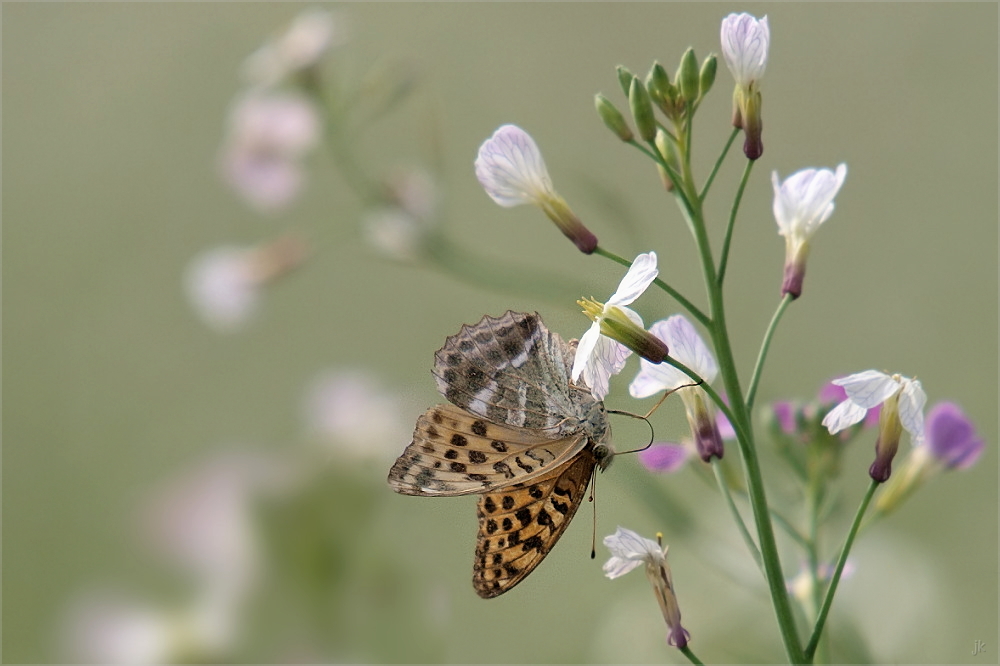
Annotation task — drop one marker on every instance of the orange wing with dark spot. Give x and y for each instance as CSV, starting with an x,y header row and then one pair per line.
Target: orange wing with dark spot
x,y
519,525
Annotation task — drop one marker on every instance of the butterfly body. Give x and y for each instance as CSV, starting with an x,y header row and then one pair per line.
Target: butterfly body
x,y
518,432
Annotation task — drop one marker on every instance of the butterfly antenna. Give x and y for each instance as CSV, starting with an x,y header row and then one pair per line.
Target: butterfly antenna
x,y
645,417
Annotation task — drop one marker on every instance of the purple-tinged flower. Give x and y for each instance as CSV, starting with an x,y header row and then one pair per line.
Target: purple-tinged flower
x,y
902,401
665,457
687,347
802,203
745,41
268,137
831,394
617,330
628,551
951,437
511,170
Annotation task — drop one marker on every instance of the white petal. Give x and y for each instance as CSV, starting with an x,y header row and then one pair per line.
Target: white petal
x,y
745,41
843,416
686,346
869,388
655,377
607,359
511,169
911,408
805,200
628,550
585,348
640,275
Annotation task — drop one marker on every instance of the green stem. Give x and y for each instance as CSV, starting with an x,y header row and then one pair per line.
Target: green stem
x,y
692,309
764,346
718,164
690,655
724,258
841,561
740,525
742,424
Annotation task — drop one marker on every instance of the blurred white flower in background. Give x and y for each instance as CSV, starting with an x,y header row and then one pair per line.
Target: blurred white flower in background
x,y
224,283
108,628
399,231
268,136
350,411
310,35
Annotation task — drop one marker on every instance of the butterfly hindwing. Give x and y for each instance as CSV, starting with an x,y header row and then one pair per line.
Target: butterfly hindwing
x,y
457,453
519,526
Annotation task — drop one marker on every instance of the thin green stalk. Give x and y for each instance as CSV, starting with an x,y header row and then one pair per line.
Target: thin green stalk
x,y
718,164
724,258
690,655
740,525
755,481
841,561
764,346
692,309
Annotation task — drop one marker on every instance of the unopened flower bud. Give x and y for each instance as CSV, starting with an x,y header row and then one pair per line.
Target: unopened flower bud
x,y
707,75
642,110
669,152
613,118
658,84
624,78
687,76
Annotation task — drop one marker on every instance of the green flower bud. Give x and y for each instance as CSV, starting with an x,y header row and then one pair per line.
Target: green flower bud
x,y
642,110
612,117
624,78
658,83
687,76
707,76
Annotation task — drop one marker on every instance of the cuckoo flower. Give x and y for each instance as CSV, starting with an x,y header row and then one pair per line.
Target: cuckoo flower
x,y
617,330
628,551
902,400
801,204
511,170
687,347
745,40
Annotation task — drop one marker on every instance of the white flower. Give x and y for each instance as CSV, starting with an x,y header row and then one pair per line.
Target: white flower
x,y
871,388
222,285
268,137
805,201
511,170
745,41
107,628
311,34
598,357
687,347
352,413
628,551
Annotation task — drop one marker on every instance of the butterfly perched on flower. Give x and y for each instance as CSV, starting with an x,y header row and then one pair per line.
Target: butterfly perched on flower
x,y
518,432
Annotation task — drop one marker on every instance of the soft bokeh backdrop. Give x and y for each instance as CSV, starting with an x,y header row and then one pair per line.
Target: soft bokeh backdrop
x,y
113,119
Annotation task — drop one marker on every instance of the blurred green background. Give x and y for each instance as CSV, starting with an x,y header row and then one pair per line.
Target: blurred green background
x,y
113,120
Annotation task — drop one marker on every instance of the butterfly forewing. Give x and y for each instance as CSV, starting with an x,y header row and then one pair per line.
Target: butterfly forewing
x,y
509,369
457,453
519,526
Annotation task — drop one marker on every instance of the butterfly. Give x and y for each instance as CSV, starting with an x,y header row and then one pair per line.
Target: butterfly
x,y
518,432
